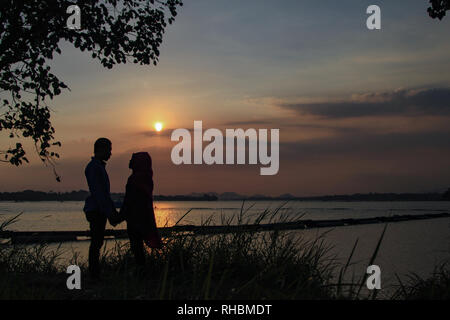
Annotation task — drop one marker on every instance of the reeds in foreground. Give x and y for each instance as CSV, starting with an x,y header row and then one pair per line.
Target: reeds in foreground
x,y
237,265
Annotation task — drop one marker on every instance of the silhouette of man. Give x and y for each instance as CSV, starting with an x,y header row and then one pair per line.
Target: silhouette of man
x,y
98,206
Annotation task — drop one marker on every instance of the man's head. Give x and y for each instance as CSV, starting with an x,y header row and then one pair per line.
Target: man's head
x,y
102,149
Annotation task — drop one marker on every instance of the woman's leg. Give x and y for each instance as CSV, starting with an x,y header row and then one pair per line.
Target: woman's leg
x,y
137,247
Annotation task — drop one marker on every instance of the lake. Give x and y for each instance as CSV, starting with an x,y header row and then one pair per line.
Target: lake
x,y
411,246
52,215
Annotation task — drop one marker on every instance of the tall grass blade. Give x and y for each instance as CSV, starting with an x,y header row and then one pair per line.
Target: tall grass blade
x,y
344,269
372,259
183,216
208,277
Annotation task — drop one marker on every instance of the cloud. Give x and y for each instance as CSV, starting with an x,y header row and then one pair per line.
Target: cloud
x,y
153,133
249,123
367,143
164,133
410,102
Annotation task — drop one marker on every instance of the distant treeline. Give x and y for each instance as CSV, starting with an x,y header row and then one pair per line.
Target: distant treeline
x,y
205,197
81,195
30,195
380,197
367,197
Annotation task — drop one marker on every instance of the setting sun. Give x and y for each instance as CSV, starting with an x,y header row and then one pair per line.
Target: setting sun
x,y
158,126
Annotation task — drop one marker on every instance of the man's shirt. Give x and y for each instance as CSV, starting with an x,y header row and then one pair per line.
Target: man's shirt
x,y
98,182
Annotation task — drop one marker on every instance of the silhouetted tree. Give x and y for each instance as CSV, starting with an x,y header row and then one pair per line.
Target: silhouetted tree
x,y
115,31
438,8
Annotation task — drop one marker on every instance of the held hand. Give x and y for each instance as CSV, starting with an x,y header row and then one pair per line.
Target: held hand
x,y
112,221
115,219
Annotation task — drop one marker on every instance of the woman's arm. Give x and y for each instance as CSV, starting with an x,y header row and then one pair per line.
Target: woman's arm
x,y
127,202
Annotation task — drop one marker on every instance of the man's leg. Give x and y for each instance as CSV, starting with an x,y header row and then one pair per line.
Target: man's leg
x,y
97,224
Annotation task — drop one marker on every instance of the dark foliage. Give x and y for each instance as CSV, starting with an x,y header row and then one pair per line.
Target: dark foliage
x,y
438,8
114,31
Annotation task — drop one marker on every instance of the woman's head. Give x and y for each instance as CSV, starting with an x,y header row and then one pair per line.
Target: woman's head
x,y
141,161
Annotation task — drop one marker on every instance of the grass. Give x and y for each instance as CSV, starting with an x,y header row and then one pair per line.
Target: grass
x,y
237,265
436,287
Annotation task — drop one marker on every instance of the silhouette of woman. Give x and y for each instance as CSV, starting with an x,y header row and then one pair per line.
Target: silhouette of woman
x,y
137,208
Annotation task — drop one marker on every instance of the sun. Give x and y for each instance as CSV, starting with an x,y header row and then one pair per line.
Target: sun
x,y
158,126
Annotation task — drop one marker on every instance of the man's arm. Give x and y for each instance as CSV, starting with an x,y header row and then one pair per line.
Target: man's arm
x,y
97,187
